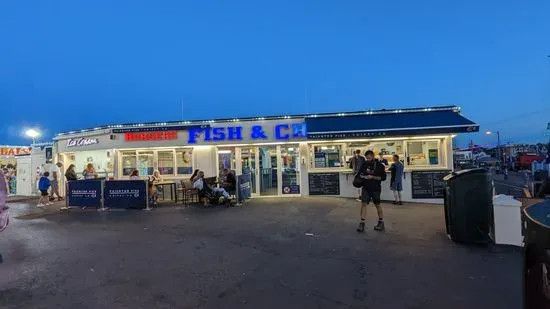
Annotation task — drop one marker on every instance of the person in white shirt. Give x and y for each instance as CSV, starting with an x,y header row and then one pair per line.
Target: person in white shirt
x,y
55,173
89,172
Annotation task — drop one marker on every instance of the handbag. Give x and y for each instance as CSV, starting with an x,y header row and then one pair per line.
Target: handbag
x,y
358,181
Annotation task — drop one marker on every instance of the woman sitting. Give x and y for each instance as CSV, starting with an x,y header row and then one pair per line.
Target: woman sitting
x,y
135,175
153,188
205,190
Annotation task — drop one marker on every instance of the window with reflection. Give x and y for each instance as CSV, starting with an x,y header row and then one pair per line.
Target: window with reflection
x,y
145,163
129,162
383,150
184,161
290,158
327,156
424,153
226,159
166,162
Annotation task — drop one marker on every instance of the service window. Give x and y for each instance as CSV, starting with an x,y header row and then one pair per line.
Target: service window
x,y
166,162
184,161
382,149
145,163
327,156
424,153
129,162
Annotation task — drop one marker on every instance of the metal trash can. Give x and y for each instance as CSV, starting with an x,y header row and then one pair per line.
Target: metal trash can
x,y
468,202
536,270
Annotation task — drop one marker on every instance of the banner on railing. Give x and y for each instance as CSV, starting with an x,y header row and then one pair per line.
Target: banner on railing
x,y
84,193
243,187
126,194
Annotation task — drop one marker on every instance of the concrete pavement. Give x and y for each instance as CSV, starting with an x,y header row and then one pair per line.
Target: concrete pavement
x,y
256,256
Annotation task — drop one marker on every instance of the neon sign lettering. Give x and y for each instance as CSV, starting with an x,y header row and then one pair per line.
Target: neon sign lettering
x,y
281,132
77,142
151,136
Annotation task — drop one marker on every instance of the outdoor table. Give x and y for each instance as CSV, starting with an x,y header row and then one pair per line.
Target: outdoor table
x,y
172,185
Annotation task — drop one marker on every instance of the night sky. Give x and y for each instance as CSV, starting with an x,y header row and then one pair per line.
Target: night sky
x,y
69,64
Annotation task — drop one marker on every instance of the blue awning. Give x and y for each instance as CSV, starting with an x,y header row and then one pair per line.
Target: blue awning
x,y
389,124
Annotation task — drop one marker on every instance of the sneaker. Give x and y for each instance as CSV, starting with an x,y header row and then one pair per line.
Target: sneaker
x,y
40,205
394,202
399,203
379,226
361,227
49,203
64,208
358,199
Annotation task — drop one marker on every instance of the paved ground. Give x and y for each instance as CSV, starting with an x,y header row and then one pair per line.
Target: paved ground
x,y
513,185
257,256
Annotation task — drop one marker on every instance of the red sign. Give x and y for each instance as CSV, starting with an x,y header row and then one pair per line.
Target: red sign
x,y
151,136
14,151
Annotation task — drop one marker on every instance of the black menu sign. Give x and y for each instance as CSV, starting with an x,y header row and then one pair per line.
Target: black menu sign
x,y
428,184
324,183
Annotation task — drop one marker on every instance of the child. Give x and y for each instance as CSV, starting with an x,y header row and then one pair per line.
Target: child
x,y
43,186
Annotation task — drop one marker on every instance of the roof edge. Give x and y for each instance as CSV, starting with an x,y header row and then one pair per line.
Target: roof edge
x,y
311,115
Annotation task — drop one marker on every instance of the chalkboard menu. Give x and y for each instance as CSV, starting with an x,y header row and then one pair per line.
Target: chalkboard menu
x,y
428,184
324,184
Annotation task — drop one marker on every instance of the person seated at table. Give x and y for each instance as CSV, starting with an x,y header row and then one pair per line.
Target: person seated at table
x,y
135,175
153,188
204,188
89,172
194,176
230,182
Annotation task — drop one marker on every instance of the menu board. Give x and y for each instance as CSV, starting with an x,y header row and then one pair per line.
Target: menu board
x,y
324,183
428,184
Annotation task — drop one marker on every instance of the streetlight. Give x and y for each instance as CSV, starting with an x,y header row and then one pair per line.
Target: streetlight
x,y
32,133
498,144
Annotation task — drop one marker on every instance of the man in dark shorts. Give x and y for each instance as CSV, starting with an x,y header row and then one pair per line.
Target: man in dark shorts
x,y
373,173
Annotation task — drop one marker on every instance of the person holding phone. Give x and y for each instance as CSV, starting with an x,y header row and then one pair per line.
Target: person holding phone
x,y
373,173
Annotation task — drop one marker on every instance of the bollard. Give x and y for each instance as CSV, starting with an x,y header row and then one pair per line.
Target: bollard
x,y
147,196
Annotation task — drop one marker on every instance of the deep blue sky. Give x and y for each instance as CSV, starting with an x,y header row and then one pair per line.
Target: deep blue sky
x,y
75,64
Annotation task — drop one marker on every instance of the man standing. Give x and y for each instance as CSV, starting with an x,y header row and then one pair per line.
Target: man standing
x,y
355,163
396,180
373,173
383,160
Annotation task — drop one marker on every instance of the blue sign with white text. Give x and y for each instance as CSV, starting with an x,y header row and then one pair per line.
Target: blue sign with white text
x,y
280,132
243,185
125,194
84,193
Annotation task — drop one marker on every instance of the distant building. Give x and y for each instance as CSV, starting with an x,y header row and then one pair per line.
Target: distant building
x,y
463,155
